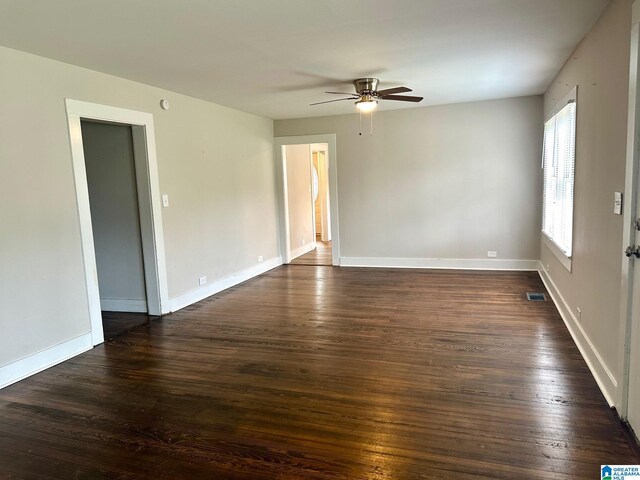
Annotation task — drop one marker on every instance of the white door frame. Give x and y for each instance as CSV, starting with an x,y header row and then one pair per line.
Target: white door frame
x,y
280,143
150,218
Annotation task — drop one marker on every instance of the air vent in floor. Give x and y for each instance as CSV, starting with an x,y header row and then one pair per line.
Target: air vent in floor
x,y
536,297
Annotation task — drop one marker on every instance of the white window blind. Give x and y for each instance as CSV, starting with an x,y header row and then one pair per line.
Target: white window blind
x,y
559,166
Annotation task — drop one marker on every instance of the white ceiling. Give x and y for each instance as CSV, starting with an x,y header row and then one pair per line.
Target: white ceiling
x,y
273,58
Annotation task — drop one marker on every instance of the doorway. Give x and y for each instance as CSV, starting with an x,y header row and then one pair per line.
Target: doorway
x,y
117,190
115,221
321,210
308,200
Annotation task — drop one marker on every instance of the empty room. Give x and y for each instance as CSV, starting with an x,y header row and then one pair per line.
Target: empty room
x,y
355,240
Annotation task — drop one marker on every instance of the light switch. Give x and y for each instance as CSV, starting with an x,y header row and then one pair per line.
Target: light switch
x,y
617,203
165,200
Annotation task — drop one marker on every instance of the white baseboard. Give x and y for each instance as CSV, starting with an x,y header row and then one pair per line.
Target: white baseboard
x,y
205,291
123,305
440,263
25,367
603,376
302,250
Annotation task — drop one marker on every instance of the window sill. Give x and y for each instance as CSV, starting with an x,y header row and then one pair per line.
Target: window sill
x,y
559,254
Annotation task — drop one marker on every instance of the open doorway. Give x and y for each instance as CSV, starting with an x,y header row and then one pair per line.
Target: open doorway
x,y
308,200
115,221
321,210
118,197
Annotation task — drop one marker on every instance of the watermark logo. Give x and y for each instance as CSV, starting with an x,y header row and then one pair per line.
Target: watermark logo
x,y
605,472
619,472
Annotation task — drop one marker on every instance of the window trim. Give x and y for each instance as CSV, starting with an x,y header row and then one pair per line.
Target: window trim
x,y
552,246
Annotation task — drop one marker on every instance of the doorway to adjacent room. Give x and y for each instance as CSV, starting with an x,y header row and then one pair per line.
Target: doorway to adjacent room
x,y
118,199
308,200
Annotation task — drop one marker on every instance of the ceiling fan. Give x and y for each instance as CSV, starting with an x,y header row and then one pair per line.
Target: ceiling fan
x,y
367,94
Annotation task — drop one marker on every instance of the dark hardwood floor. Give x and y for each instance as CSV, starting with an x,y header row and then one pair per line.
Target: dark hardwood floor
x,y
325,373
118,323
321,255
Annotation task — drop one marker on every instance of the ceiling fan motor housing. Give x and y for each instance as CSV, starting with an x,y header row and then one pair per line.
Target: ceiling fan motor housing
x,y
366,86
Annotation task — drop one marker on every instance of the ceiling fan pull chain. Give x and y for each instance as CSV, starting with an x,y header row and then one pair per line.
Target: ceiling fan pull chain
x,y
360,130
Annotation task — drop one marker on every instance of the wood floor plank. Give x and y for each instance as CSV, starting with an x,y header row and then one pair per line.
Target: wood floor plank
x,y
325,373
321,255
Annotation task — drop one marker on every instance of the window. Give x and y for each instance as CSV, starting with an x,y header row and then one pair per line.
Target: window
x,y
558,161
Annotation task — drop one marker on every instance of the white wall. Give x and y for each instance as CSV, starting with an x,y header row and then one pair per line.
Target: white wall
x,y
447,182
299,205
113,197
215,163
600,68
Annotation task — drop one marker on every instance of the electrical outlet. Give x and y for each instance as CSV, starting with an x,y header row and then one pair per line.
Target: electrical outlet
x,y
165,200
492,254
260,258
202,280
302,241
548,268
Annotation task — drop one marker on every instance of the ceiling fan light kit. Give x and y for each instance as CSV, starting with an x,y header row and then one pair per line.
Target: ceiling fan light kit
x,y
366,105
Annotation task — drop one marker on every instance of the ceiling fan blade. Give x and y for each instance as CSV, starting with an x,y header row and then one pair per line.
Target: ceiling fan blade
x,y
402,98
341,93
391,91
338,100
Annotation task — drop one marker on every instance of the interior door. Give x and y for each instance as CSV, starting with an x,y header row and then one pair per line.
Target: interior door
x,y
633,405
632,333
